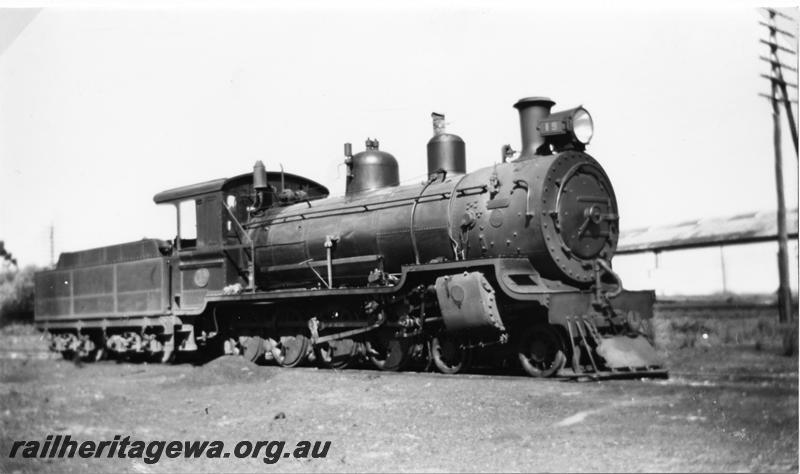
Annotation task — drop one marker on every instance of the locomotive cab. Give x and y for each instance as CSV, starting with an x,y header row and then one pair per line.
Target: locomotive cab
x,y
212,243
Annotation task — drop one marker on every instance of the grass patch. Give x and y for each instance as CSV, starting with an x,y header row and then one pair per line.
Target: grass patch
x,y
761,332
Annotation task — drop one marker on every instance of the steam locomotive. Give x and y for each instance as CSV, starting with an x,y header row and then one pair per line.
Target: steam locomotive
x,y
507,265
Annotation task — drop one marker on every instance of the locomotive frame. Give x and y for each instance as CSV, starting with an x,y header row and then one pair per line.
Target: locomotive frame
x,y
507,265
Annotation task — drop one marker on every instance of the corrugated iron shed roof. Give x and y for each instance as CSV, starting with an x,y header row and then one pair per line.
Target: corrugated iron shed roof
x,y
743,228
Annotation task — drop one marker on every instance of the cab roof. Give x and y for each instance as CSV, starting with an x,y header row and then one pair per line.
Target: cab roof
x,y
273,177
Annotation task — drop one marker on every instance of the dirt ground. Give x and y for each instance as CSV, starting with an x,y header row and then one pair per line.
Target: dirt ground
x,y
722,409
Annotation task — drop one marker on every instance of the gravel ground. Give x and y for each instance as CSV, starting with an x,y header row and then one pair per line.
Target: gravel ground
x,y
722,409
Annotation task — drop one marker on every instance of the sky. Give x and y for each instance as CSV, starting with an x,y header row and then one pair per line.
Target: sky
x,y
103,107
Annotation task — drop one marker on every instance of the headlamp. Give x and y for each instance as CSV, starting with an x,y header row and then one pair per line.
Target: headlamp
x,y
571,128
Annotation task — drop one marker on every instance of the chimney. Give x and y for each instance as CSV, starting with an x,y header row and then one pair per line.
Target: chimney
x,y
531,111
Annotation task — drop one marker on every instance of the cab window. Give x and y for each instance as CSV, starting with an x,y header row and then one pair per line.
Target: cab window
x,y
188,223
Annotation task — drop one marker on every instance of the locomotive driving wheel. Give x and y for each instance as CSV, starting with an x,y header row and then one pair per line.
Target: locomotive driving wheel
x,y
448,355
388,353
339,353
541,351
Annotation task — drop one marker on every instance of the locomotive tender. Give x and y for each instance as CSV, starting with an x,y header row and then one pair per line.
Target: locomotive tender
x,y
506,264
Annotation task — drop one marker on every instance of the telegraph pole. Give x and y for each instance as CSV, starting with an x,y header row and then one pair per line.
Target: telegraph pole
x,y
52,246
778,84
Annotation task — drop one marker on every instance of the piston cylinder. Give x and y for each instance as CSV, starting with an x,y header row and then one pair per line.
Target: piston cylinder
x,y
467,301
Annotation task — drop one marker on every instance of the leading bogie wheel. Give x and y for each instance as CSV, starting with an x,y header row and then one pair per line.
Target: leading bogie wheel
x,y
541,351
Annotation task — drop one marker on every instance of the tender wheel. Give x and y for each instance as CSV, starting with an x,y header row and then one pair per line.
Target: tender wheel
x,y
153,351
90,349
541,351
292,350
254,349
388,353
448,356
169,356
83,348
158,353
97,354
